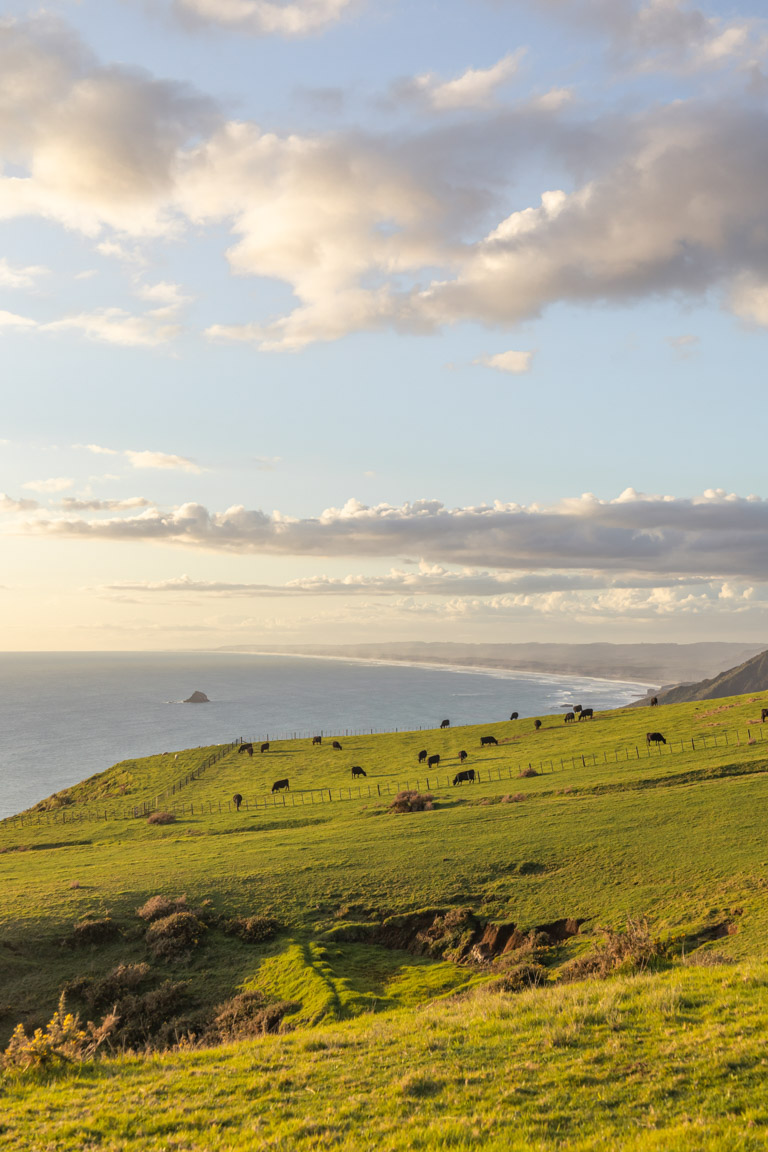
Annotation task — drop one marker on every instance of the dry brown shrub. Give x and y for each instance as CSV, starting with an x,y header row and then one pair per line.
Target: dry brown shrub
x,y
162,818
92,933
529,771
103,993
175,936
253,929
248,1014
411,801
633,950
514,798
159,906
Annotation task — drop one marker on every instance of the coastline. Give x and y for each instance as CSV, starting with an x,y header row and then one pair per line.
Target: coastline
x,y
470,669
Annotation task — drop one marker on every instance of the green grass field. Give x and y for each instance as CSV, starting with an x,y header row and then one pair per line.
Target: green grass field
x,y
380,1047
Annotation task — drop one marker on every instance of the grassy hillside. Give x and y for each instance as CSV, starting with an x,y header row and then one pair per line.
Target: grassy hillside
x,y
508,1048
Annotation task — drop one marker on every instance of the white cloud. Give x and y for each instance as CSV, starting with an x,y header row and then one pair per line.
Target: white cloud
x,y
54,484
8,504
116,326
749,297
475,88
714,535
12,320
514,362
21,277
169,298
98,450
266,17
74,504
162,460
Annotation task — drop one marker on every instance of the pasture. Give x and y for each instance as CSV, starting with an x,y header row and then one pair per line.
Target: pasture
x,y
433,1050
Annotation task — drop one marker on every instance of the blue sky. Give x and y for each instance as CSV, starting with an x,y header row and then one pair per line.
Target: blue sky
x,y
356,319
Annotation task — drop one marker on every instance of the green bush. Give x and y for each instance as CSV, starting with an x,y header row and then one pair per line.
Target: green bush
x,y
253,929
174,937
159,906
92,933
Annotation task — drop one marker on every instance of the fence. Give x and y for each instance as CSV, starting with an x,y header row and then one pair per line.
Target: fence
x,y
371,790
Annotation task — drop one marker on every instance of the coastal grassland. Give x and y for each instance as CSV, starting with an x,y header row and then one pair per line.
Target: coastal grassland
x,y
646,1063
677,837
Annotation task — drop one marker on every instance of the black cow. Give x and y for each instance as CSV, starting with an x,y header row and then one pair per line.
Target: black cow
x,y
264,747
468,776
488,740
462,756
317,739
587,714
280,786
654,701
445,724
514,716
246,748
357,771
654,738
537,724
433,762
763,714
569,717
422,755
237,801
577,708
336,745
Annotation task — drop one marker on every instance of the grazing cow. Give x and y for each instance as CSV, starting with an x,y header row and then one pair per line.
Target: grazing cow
x,y
357,771
537,724
577,708
763,714
569,717
336,745
514,716
462,756
433,762
264,747
587,714
237,801
422,755
445,724
654,738
654,701
280,786
467,776
488,740
317,739
246,748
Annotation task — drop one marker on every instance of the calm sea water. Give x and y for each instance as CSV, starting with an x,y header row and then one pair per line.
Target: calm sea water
x,y
64,716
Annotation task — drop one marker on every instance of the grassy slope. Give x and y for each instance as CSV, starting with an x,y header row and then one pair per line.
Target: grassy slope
x,y
652,836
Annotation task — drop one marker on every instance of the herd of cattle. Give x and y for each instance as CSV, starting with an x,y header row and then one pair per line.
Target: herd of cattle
x,y
465,775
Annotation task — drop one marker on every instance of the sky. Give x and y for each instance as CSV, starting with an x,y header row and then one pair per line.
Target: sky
x,y
333,321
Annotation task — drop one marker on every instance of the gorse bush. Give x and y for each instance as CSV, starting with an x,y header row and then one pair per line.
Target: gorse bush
x,y
92,933
162,818
411,801
63,1041
159,906
174,937
633,950
253,929
247,1014
104,992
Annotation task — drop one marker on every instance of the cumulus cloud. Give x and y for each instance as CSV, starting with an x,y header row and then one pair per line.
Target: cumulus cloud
x,y
54,484
74,504
716,535
16,277
265,17
475,88
117,326
9,505
652,35
13,320
514,362
164,460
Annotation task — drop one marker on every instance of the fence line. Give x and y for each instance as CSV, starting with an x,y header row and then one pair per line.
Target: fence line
x,y
312,796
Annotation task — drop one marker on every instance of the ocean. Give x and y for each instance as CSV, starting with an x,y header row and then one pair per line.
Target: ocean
x,y
65,716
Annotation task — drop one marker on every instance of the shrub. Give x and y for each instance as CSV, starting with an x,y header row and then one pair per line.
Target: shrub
x,y
248,1014
91,933
633,950
410,801
173,937
159,906
152,1018
253,929
529,771
62,1041
514,798
122,980
524,975
162,818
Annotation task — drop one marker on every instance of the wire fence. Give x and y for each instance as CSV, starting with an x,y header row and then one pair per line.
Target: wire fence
x,y
376,789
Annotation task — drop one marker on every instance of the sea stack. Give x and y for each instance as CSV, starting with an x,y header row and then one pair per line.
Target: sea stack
x,y
197,698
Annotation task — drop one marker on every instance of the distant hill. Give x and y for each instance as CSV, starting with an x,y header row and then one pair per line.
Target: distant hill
x,y
751,676
658,664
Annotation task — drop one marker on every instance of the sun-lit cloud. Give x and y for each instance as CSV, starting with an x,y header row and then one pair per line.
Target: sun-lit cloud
x,y
117,326
162,460
265,17
475,88
53,484
18,277
514,362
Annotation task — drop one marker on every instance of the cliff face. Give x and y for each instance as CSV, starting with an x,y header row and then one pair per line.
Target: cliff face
x,y
751,676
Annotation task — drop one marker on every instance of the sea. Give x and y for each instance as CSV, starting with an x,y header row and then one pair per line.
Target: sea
x,y
65,716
